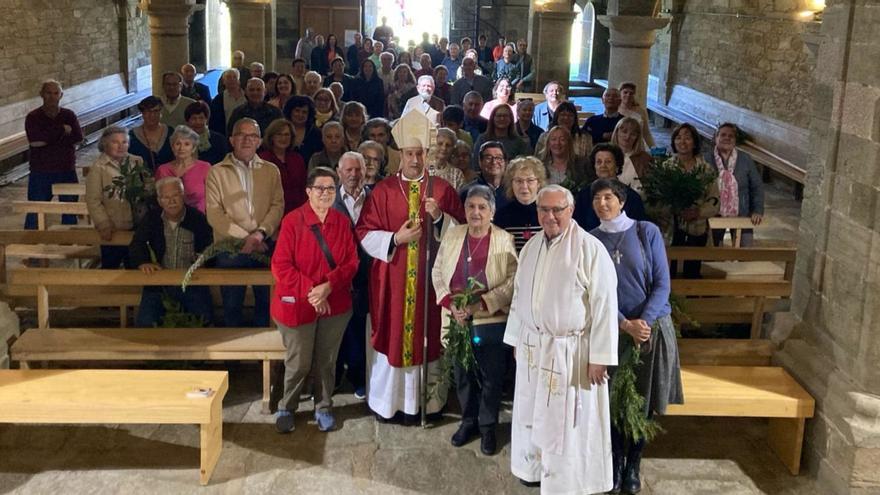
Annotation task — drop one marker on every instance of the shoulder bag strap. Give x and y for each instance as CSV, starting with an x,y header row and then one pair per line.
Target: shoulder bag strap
x,y
316,230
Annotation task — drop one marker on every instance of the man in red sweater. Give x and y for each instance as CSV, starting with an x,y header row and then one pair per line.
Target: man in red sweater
x,y
53,133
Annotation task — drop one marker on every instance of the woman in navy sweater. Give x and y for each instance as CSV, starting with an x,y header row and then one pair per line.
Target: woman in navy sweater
x,y
643,286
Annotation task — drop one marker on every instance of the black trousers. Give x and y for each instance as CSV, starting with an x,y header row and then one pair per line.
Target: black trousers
x,y
691,267
479,389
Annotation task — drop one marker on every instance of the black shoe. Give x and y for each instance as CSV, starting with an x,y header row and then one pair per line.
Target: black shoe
x,y
284,421
631,483
488,444
464,435
619,464
530,484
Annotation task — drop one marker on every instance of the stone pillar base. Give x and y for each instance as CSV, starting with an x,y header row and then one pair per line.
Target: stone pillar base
x,y
842,441
550,42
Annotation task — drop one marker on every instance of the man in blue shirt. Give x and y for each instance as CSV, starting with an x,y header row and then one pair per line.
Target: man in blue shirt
x,y
601,126
452,61
554,94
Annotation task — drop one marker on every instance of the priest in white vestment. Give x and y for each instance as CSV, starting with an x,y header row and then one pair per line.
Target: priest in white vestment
x,y
392,228
563,324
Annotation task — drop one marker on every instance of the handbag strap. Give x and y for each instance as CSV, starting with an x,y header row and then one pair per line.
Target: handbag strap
x,y
648,345
316,230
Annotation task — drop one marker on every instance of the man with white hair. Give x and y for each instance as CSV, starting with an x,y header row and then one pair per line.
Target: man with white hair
x,y
350,199
402,214
425,101
53,133
255,107
305,45
257,70
563,325
171,238
191,88
226,101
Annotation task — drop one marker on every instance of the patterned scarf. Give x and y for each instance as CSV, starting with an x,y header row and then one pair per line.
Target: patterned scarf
x,y
727,184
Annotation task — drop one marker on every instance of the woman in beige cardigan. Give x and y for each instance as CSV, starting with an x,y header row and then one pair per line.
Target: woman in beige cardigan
x,y
487,254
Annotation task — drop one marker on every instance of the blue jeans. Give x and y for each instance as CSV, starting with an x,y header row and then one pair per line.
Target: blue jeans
x,y
196,301
233,296
40,189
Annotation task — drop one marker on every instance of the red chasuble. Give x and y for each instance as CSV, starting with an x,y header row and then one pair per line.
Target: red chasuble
x,y
397,287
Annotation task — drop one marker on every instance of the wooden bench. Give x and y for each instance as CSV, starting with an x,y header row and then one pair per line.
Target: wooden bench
x,y
735,224
744,295
152,344
71,189
725,352
754,392
46,281
43,208
119,397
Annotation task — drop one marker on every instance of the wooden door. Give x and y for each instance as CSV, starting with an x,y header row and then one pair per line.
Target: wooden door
x,y
331,17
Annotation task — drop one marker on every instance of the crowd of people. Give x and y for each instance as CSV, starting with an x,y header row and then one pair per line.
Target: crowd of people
x,y
380,183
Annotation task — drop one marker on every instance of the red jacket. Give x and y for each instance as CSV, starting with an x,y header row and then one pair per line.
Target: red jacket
x,y
298,264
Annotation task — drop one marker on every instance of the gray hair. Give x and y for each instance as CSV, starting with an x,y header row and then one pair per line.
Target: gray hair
x,y
332,124
426,76
255,65
169,180
50,82
184,132
230,71
481,191
471,95
447,133
109,131
569,198
371,145
353,155
247,120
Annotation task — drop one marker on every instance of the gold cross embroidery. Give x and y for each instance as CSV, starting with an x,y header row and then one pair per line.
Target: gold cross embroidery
x,y
529,357
552,381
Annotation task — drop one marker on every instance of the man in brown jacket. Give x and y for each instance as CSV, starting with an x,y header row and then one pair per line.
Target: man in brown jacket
x,y
244,200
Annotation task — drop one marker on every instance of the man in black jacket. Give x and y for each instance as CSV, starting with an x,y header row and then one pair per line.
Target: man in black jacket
x,y
171,238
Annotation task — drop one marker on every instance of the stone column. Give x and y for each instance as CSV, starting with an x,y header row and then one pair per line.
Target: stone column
x,y
832,345
169,30
253,30
550,41
631,41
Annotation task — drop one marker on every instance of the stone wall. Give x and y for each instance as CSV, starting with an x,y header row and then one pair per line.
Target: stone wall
x,y
287,32
834,347
73,41
749,53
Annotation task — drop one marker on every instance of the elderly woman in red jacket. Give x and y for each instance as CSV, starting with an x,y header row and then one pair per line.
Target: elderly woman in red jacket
x,y
314,262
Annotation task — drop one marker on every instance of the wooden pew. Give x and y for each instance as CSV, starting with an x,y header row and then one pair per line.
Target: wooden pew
x,y
735,224
153,344
54,244
43,208
72,189
725,352
750,391
119,397
45,279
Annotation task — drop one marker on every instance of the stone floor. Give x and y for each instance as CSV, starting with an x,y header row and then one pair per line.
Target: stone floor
x,y
694,456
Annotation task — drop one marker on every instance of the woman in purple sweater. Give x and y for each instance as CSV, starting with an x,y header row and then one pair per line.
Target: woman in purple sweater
x,y
639,256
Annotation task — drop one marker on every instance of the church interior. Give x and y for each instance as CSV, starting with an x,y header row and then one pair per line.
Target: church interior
x,y
793,339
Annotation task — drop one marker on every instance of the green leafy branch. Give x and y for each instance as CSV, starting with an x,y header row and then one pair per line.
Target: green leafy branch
x,y
459,340
669,185
134,184
230,245
627,404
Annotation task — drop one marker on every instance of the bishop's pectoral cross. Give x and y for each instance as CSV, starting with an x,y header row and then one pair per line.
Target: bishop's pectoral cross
x,y
552,379
617,255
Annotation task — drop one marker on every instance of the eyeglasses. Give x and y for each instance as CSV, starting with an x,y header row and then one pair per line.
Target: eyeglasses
x,y
252,137
530,181
496,159
323,189
552,210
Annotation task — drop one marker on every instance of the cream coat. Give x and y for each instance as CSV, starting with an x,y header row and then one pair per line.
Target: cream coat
x,y
500,270
227,204
104,210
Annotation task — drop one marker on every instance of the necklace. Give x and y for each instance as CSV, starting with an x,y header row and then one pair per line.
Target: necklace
x,y
471,250
615,253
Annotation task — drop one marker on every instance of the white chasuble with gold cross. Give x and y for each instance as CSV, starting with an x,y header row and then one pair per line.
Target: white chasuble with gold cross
x,y
563,317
